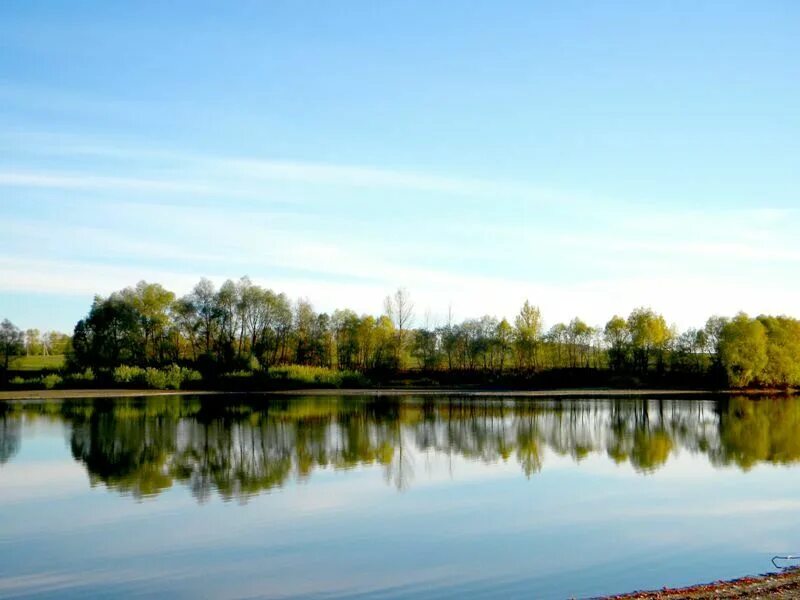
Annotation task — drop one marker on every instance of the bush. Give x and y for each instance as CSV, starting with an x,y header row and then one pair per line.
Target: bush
x,y
316,376
175,376
155,379
17,380
238,375
126,374
191,375
169,378
87,375
51,381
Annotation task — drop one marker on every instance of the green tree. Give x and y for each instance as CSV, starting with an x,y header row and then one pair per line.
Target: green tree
x,y
153,303
111,334
504,336
617,338
743,350
11,342
649,336
528,325
783,351
579,338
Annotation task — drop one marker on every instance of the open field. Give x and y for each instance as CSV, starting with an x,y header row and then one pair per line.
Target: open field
x,y
37,363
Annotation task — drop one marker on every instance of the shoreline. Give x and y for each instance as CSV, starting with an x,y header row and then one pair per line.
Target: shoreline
x,y
577,393
782,585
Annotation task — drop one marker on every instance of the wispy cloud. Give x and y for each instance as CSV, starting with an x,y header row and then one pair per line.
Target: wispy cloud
x,y
82,181
217,172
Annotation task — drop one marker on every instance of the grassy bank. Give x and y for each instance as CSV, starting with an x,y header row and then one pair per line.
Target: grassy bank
x,y
301,377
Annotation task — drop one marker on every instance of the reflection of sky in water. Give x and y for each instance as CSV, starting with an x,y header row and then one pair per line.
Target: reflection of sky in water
x,y
460,526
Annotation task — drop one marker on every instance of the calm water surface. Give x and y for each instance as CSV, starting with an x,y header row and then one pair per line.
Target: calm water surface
x,y
208,497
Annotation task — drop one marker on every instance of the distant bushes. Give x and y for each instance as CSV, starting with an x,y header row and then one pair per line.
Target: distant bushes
x,y
128,374
86,376
47,382
293,376
172,377
176,377
317,376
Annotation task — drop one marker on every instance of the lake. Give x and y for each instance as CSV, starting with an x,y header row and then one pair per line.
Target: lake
x,y
392,497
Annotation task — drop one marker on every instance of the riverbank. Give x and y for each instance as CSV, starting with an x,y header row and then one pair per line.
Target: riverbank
x,y
781,586
93,393
577,393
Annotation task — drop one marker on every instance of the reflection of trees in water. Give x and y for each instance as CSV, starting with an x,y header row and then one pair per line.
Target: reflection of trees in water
x,y
10,432
236,450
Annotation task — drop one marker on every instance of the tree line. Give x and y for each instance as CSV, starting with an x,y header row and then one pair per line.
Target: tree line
x,y
243,326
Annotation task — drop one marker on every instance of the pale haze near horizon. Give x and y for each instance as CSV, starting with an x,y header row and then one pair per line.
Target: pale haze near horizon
x,y
588,157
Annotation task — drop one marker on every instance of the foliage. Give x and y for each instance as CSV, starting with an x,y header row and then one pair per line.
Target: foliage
x,y
171,377
308,375
174,376
743,350
129,374
52,381
156,379
11,342
86,375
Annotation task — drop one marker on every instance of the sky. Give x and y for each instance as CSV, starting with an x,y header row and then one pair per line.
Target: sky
x,y
590,157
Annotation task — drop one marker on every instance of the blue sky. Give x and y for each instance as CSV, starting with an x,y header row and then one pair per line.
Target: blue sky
x,y
591,157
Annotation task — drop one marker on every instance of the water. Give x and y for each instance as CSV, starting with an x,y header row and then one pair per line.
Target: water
x,y
391,497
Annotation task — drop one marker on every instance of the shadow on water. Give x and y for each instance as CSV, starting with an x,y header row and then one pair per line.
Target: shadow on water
x,y
237,448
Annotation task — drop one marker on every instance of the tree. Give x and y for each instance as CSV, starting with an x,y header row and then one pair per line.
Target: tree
x,y
153,303
649,335
32,342
111,334
528,324
743,350
204,301
11,342
400,309
579,336
424,348
617,337
783,351
504,336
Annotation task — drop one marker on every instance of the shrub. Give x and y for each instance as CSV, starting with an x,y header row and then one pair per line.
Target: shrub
x,y
155,379
317,376
17,380
175,376
127,374
191,375
242,374
87,375
51,381
169,378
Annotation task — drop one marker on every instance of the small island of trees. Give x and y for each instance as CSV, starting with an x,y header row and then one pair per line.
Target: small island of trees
x,y
245,335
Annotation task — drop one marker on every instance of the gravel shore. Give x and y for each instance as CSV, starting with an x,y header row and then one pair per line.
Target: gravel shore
x,y
781,586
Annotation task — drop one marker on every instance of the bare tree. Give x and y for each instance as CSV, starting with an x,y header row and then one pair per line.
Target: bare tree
x,y
400,310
